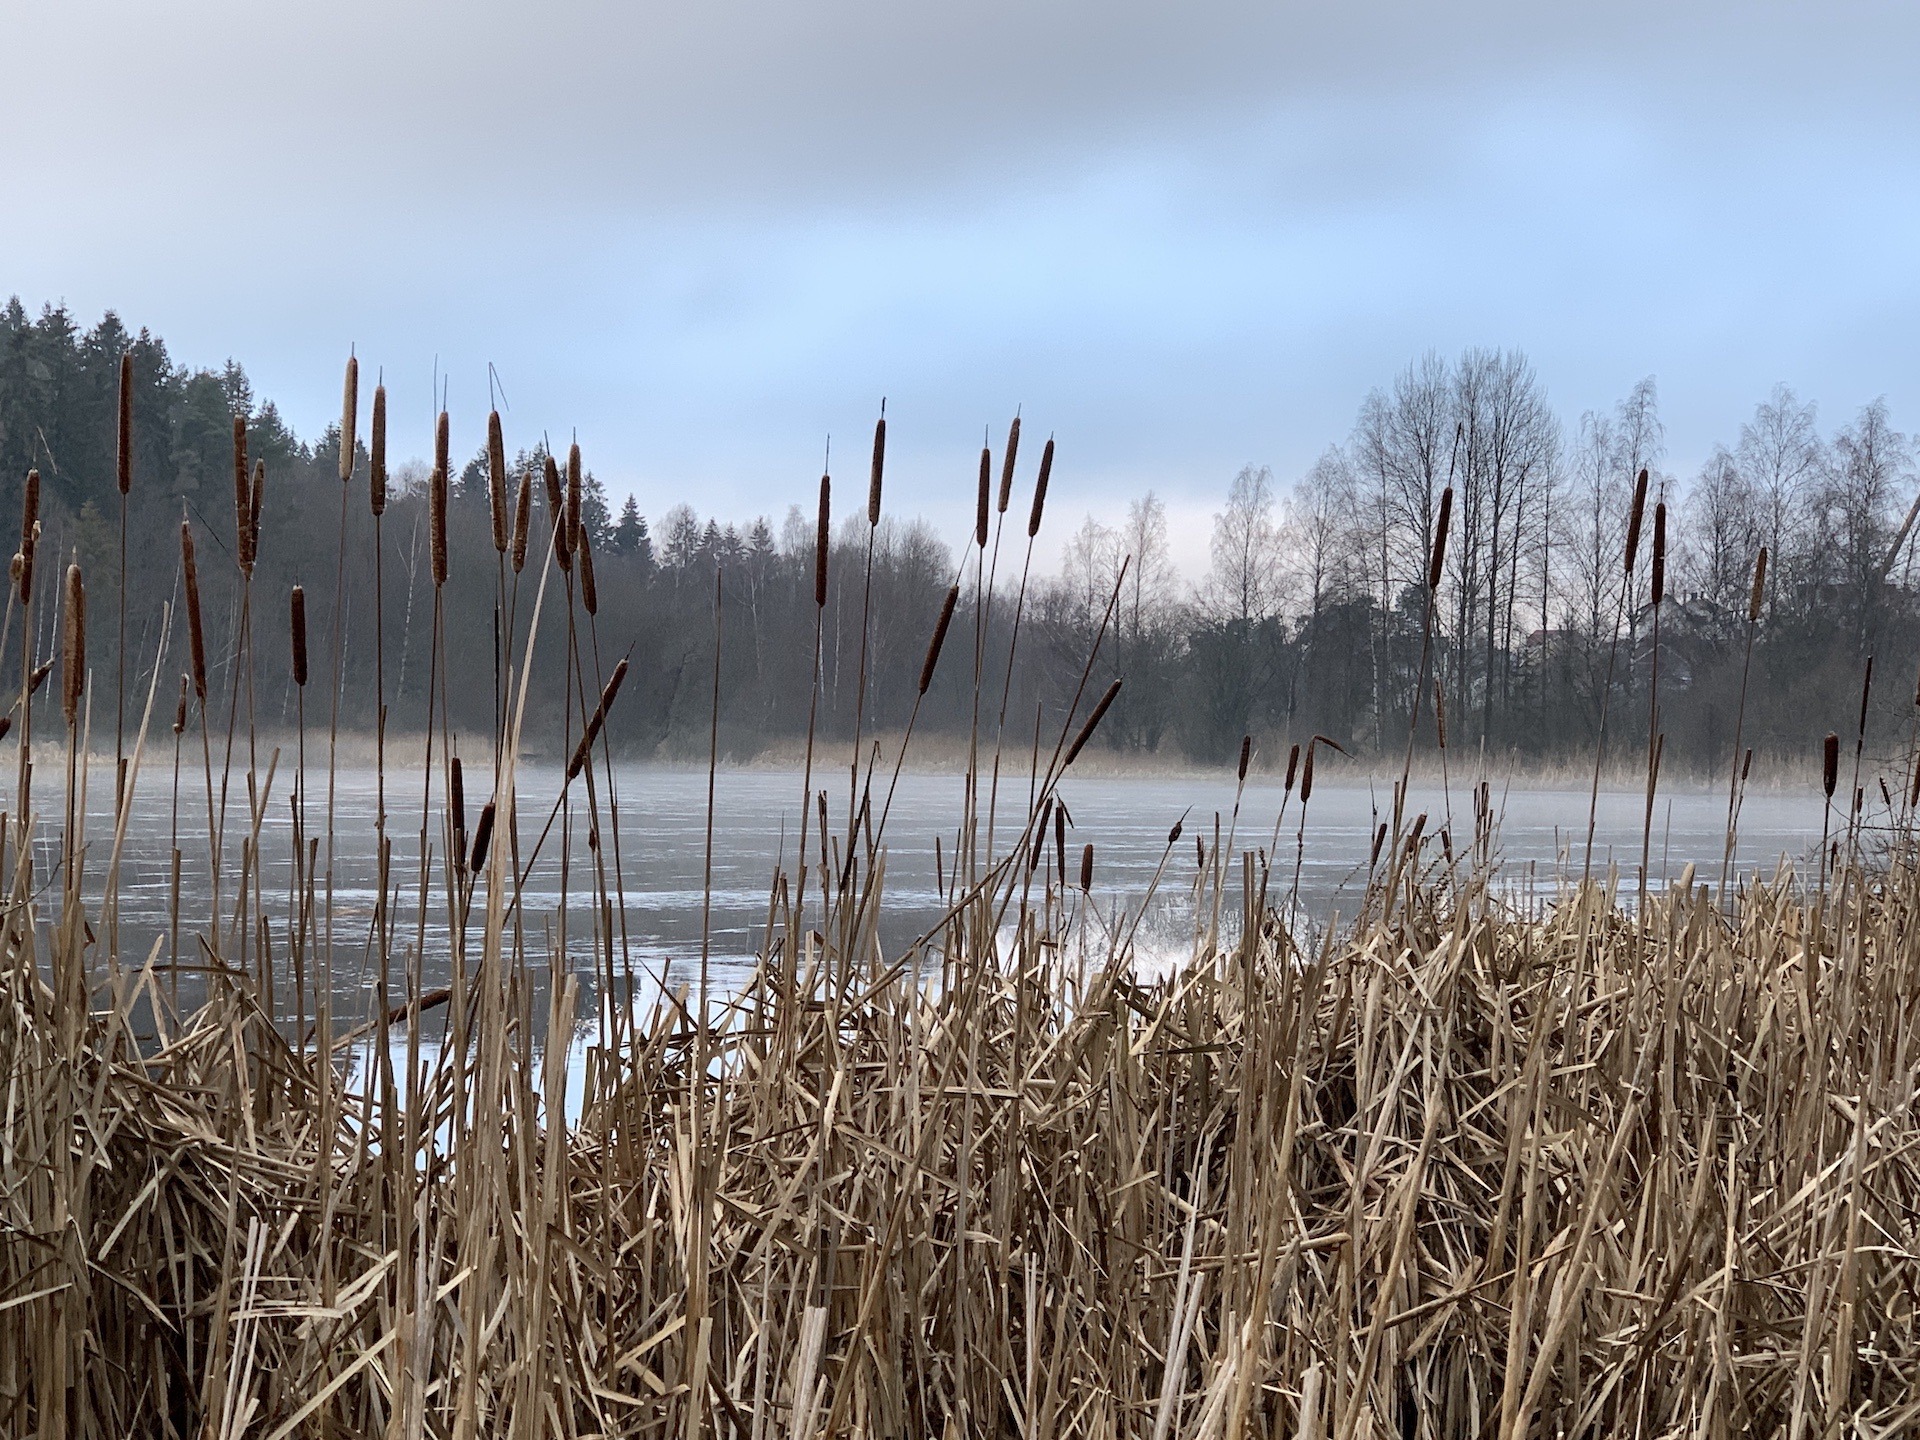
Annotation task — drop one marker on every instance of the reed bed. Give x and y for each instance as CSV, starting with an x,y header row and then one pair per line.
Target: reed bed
x,y
1442,1168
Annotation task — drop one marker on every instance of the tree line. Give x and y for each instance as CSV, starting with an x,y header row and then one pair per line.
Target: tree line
x,y
1309,619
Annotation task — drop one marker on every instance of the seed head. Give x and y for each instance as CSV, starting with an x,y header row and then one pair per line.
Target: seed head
x,y
497,480
1040,490
73,675
123,452
297,626
349,417
939,637
377,453
1006,466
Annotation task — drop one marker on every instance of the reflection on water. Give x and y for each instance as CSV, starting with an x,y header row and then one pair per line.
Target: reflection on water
x,y
1540,839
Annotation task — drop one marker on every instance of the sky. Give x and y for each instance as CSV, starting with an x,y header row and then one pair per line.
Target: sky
x,y
705,238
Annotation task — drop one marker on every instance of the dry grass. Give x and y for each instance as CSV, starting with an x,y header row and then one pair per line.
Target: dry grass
x,y
1448,1170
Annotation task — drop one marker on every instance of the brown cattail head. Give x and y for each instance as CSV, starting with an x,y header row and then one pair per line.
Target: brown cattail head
x,y
1293,767
377,453
1659,552
1173,835
297,629
482,833
556,501
123,452
1060,842
1086,868
939,637
349,417
1760,588
879,468
29,533
822,543
497,480
1746,764
597,720
242,496
522,516
441,447
573,497
589,592
180,711
256,507
1439,716
196,632
39,676
1039,835
457,809
1006,466
986,496
1634,518
1437,555
1093,722
1246,754
1379,839
1829,763
437,524
1306,777
73,673
1866,693
1040,489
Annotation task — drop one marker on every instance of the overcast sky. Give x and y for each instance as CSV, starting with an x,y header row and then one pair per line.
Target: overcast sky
x,y
1181,236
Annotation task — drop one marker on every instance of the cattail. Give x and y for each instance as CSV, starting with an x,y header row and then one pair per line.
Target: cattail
x,y
180,711
1200,851
497,480
522,515
1173,835
255,509
1060,843
73,675
1437,557
1760,588
597,720
573,497
822,540
879,466
1866,692
457,806
1659,552
1293,764
39,676
1830,763
557,514
196,633
986,495
589,593
377,453
29,533
1038,847
1040,489
437,525
1006,466
1306,777
6,726
1634,519
297,627
441,448
482,833
242,488
1746,765
1086,868
349,417
123,452
1379,839
1246,754
1093,722
939,637
1439,716
555,503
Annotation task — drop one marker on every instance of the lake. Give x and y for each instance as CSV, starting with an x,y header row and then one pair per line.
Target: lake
x,y
1540,840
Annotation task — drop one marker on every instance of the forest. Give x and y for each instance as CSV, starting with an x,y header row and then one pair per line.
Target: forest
x,y
1309,620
